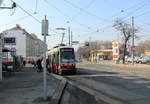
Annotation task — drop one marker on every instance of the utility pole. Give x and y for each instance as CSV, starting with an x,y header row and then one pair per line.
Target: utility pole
x,y
1,41
45,33
71,38
133,47
69,35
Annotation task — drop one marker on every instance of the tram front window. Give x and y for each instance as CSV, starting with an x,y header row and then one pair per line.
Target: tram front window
x,y
67,56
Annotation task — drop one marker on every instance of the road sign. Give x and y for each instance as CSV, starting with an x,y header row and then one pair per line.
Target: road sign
x,y
133,48
75,42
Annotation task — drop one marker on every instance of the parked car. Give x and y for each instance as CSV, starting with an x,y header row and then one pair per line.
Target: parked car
x,y
129,59
144,60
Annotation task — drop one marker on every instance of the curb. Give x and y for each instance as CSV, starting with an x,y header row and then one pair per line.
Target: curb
x,y
56,98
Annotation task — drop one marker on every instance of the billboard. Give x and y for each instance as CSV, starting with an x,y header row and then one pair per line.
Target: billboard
x,y
115,50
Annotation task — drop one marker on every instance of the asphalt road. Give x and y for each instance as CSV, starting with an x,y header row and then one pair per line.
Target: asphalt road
x,y
107,84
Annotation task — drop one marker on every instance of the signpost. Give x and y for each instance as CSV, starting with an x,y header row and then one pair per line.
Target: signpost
x,y
115,46
45,33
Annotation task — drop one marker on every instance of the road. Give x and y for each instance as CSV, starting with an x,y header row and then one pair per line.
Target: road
x,y
108,84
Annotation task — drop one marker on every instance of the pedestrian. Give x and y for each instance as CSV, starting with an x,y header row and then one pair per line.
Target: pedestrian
x,y
39,65
24,63
47,65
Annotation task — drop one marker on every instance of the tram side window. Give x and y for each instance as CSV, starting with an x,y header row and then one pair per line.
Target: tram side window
x,y
56,58
53,59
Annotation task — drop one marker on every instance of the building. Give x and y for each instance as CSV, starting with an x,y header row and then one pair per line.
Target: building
x,y
25,44
101,54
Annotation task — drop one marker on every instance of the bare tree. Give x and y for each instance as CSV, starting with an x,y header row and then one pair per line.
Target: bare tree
x,y
126,32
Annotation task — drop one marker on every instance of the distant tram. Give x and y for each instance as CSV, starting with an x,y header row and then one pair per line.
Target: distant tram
x,y
62,60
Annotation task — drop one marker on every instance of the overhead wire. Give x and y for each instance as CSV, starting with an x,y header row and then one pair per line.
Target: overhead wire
x,y
87,12
136,9
62,13
132,12
87,6
131,7
25,11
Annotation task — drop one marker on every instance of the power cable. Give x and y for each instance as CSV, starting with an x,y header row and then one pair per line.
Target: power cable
x,y
133,6
85,11
140,7
87,6
31,15
147,12
62,13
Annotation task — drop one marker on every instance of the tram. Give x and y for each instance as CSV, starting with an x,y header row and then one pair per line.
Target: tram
x,y
62,60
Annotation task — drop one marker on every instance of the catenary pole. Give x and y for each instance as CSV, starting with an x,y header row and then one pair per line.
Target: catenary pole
x,y
71,38
1,40
133,47
0,57
69,35
45,33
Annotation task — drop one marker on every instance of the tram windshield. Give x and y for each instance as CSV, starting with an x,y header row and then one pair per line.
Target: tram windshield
x,y
67,55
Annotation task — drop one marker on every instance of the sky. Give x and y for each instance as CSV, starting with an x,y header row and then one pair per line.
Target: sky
x,y
89,20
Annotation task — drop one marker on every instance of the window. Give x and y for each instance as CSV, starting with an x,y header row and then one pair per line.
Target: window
x,y
10,40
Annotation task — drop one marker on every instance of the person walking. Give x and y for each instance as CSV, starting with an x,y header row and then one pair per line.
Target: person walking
x,y
24,63
39,65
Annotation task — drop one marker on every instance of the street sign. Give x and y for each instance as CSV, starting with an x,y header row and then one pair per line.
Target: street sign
x,y
133,48
75,42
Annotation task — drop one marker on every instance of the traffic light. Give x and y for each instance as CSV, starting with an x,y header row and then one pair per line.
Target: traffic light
x,y
87,44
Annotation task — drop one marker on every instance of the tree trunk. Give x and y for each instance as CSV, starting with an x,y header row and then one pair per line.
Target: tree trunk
x,y
124,51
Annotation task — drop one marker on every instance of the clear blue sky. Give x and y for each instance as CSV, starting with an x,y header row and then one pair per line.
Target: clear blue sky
x,y
87,18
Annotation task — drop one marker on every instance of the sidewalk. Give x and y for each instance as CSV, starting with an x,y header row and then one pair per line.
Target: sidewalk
x,y
26,87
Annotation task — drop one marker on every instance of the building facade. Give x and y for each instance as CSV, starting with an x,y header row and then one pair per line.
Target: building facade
x,y
25,44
